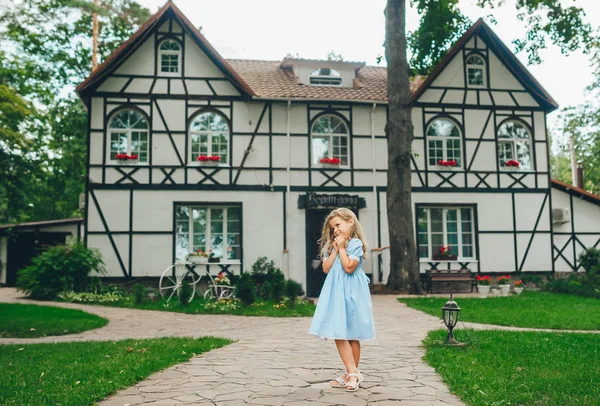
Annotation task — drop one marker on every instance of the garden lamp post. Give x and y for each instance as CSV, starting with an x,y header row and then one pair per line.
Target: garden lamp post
x,y
450,314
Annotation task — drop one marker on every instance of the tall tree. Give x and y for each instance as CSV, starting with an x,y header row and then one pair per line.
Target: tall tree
x,y
544,19
51,53
404,271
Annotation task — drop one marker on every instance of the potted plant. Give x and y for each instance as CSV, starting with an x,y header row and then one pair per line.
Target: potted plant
x,y
198,257
444,254
518,287
483,285
504,284
222,279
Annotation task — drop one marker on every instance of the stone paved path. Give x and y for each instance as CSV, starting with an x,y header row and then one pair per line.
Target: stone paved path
x,y
274,362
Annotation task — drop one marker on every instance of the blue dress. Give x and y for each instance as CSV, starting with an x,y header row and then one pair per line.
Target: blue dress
x,y
344,310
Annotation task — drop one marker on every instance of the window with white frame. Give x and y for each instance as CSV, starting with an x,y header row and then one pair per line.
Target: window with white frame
x,y
475,71
446,227
443,140
325,77
209,134
329,140
169,53
128,134
208,228
514,144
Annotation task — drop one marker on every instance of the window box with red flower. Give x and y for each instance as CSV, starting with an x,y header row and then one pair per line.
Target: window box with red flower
x,y
444,254
126,158
209,159
330,161
511,165
450,164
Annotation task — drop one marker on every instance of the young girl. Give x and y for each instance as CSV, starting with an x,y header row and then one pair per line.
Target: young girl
x,y
344,312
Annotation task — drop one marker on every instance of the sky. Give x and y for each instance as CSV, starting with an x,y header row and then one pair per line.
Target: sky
x,y
270,29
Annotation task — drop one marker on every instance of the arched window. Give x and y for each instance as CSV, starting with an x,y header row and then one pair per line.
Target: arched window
x,y
514,144
475,71
209,133
325,77
329,140
169,53
128,133
443,140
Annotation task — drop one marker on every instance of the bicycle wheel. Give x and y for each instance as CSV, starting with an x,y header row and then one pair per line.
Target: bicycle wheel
x,y
173,279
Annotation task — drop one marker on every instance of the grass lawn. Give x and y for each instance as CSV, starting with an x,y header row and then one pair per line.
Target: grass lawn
x,y
530,309
82,373
200,306
28,321
519,368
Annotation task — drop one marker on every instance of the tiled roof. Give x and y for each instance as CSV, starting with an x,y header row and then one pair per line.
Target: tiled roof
x,y
575,190
268,80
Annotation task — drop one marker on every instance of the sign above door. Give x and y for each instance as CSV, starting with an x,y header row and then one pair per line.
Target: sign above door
x,y
319,201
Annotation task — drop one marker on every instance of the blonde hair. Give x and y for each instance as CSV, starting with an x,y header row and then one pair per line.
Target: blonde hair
x,y
326,240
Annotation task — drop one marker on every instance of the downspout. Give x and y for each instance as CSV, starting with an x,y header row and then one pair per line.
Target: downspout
x,y
286,250
375,274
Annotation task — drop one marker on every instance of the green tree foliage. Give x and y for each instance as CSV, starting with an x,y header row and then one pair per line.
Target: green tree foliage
x,y
46,54
441,25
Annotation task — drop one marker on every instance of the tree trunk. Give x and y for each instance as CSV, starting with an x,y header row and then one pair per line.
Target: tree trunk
x,y
404,271
95,37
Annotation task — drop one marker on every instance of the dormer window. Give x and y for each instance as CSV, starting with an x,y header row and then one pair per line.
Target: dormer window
x,y
325,77
170,56
475,71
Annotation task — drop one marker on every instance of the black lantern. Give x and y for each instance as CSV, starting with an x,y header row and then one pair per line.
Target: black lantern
x,y
450,314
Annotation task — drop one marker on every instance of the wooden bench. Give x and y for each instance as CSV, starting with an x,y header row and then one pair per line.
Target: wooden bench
x,y
436,275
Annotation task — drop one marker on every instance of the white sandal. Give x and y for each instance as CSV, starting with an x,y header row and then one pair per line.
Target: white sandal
x,y
352,386
341,383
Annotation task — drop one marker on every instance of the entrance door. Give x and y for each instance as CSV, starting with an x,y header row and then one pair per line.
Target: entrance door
x,y
23,247
315,277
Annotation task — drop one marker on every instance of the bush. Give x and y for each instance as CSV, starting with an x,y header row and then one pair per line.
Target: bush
x,y
246,289
266,291
590,259
262,269
59,269
277,281
576,284
531,279
292,290
90,297
139,293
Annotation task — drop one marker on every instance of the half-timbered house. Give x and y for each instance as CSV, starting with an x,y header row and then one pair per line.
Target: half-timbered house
x,y
188,150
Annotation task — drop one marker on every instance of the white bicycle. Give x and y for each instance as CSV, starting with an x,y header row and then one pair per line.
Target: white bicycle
x,y
176,276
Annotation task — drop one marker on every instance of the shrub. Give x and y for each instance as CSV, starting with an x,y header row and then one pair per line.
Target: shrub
x,y
277,281
262,269
246,289
60,268
139,293
266,291
90,297
292,290
531,279
590,259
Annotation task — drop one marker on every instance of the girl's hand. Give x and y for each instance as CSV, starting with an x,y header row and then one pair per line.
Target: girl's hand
x,y
340,242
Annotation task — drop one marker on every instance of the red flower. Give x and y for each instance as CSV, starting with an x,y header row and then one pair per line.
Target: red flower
x,y
512,162
205,158
133,157
441,162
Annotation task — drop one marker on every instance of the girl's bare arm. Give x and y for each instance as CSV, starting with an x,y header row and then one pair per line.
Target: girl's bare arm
x,y
328,262
348,264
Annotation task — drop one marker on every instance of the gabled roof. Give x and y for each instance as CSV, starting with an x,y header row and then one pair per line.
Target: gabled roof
x,y
505,55
565,187
128,47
